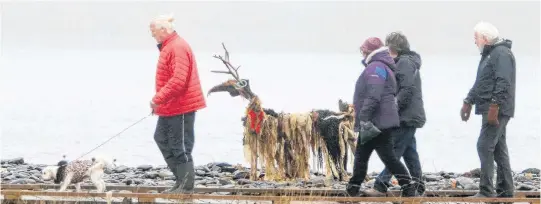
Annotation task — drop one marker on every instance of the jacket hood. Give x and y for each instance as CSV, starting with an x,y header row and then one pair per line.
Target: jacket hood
x,y
411,56
500,42
381,54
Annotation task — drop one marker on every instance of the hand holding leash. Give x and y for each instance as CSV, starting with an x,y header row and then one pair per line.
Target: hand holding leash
x,y
152,107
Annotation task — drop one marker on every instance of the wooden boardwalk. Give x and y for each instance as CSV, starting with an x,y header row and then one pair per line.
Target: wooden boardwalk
x,y
38,194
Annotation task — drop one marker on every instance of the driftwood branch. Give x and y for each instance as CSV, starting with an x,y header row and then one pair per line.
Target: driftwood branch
x,y
231,70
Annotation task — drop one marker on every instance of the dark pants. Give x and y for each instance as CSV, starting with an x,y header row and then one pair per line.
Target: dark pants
x,y
383,144
404,146
492,147
175,138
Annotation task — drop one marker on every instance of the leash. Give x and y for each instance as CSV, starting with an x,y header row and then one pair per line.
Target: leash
x,y
116,135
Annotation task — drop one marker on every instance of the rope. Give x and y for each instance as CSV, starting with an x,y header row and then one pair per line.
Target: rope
x,y
240,84
116,135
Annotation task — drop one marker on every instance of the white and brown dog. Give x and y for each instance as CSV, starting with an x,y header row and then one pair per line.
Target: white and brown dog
x,y
75,172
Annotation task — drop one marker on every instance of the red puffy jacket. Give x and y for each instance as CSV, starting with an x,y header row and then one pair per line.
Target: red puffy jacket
x,y
178,90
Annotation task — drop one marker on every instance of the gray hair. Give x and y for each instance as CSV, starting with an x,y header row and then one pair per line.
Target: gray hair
x,y
164,21
397,42
487,30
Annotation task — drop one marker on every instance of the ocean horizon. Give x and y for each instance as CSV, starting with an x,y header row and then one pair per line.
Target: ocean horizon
x,y
60,102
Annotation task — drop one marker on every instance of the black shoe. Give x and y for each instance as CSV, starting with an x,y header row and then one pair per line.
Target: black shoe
x,y
421,188
505,196
411,189
353,190
185,178
373,192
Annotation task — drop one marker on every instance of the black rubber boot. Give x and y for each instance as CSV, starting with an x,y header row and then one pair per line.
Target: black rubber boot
x,y
185,178
177,183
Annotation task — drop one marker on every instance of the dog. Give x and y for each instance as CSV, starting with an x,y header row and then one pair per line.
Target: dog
x,y
75,172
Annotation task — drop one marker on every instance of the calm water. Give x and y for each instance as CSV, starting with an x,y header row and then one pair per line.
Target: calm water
x,y
57,103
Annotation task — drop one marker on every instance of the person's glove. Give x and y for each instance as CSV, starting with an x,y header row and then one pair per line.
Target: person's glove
x,y
367,132
465,111
493,112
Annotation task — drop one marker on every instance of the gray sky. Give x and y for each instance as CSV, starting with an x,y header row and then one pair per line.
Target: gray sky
x,y
338,27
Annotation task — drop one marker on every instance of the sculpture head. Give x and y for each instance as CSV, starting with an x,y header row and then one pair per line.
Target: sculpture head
x,y
236,86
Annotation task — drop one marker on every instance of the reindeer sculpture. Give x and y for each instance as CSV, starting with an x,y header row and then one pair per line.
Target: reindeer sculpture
x,y
283,141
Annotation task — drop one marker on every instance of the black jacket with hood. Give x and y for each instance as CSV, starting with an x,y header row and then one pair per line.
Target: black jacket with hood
x,y
495,81
410,93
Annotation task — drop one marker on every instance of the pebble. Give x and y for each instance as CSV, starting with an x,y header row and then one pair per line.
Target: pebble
x,y
431,177
526,187
225,175
18,160
532,171
144,167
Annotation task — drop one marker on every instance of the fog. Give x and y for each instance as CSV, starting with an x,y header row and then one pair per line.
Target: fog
x,y
79,72
436,27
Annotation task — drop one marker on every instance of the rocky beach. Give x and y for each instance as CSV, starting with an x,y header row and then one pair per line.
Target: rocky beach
x,y
225,175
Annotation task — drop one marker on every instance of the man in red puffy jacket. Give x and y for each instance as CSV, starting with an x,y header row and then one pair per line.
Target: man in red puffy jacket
x,y
178,97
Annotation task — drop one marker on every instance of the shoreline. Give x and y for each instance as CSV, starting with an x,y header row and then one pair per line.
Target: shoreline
x,y
225,175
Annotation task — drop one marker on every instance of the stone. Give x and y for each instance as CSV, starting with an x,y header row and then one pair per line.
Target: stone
x,y
525,187
214,174
121,176
224,181
121,169
17,161
202,168
474,173
463,181
111,181
229,186
144,167
241,175
200,173
164,174
215,168
317,182
532,171
430,177
201,182
474,186
243,181
23,181
522,178
229,169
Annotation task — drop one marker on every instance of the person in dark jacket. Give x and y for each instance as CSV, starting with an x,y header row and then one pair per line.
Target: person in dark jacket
x,y
493,95
374,101
411,112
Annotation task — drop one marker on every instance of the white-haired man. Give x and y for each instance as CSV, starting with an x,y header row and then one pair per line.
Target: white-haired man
x,y
493,95
178,96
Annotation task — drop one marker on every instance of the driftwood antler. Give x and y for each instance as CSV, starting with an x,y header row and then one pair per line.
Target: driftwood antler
x,y
231,69
241,86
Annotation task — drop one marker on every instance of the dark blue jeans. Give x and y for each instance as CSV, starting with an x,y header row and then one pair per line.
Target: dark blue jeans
x,y
404,146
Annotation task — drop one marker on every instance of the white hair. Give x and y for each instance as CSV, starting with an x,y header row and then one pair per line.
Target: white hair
x,y
164,21
487,30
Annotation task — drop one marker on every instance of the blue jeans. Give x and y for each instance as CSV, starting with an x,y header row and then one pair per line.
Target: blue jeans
x,y
404,146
